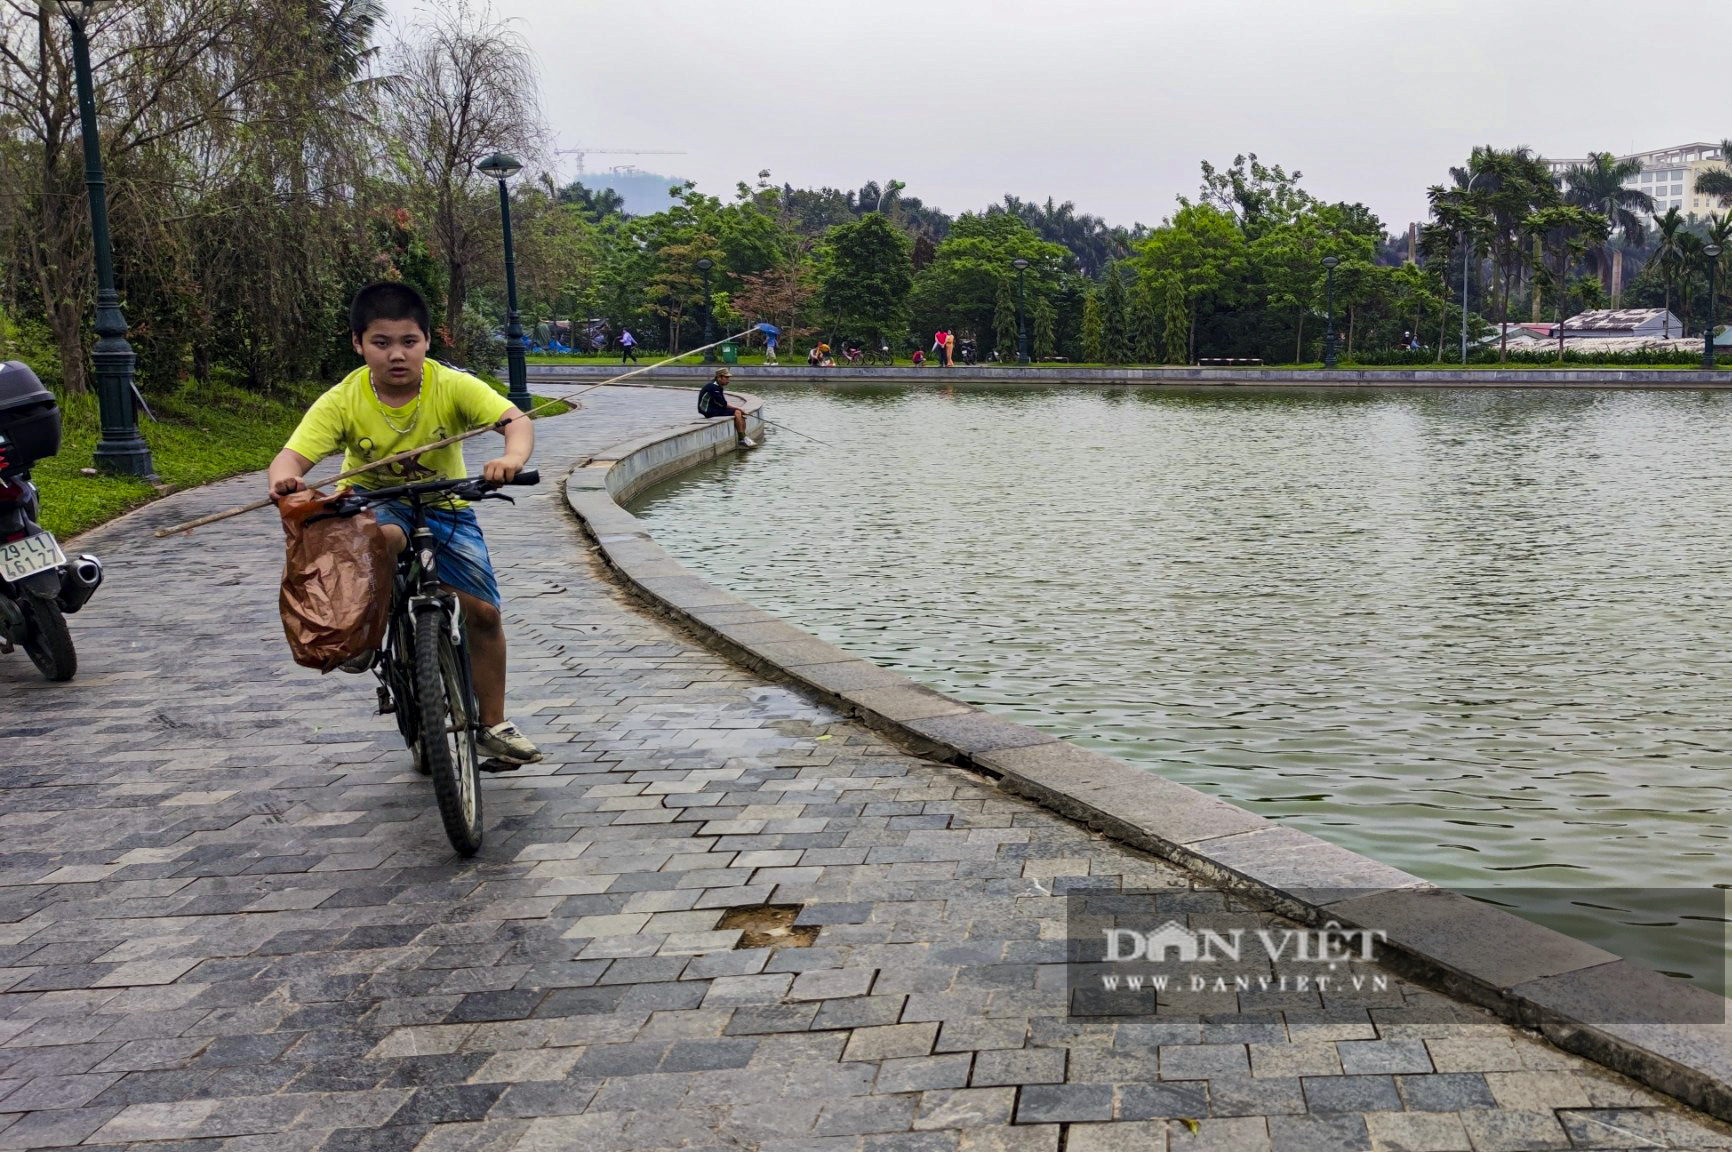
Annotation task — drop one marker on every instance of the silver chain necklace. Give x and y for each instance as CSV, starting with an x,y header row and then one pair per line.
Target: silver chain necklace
x,y
385,409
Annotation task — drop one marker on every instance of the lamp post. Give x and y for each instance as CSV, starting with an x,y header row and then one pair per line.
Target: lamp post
x,y
1021,323
1712,251
704,266
121,449
502,168
1329,262
1466,255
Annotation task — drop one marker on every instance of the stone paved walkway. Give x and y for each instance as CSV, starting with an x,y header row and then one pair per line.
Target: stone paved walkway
x,y
229,919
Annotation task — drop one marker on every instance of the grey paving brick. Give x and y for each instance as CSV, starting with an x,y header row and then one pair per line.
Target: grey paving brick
x,y
859,1012
860,1115
923,1073
891,1041
832,983
1132,1136
1370,1057
1064,1103
1170,1099
1445,1092
1333,1133
965,1108
1351,1094
1024,1066
706,1055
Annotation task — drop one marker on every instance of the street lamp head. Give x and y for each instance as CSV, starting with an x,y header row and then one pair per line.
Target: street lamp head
x,y
1330,261
1712,251
705,264
1019,265
500,166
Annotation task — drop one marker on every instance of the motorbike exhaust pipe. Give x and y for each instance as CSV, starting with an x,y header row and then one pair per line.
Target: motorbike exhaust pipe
x,y
80,581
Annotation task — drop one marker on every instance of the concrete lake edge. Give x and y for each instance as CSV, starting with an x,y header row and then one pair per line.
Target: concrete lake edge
x,y
984,376
1581,998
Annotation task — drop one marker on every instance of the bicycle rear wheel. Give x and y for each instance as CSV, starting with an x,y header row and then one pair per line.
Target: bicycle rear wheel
x,y
446,727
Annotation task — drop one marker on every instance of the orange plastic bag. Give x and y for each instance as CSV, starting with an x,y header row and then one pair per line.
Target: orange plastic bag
x,y
336,595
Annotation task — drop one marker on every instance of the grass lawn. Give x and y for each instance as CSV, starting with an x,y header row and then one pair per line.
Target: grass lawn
x,y
201,433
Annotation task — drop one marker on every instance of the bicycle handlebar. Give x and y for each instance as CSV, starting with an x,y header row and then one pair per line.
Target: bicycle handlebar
x,y
471,486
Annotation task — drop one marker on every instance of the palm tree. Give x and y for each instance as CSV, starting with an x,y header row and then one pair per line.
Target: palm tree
x,y
1720,233
1669,251
1598,186
1509,186
1718,182
1694,263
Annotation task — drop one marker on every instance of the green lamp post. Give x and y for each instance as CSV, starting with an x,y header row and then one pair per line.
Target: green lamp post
x,y
1329,262
1712,251
1021,323
120,449
704,266
501,168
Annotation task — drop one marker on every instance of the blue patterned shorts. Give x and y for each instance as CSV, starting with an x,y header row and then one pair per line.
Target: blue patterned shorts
x,y
463,560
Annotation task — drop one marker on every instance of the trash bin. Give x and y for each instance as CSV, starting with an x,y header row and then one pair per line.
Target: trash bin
x,y
730,353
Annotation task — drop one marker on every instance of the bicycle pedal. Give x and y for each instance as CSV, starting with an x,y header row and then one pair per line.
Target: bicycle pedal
x,y
496,765
386,704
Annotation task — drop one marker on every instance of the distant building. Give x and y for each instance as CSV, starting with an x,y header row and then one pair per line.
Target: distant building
x,y
1622,324
1669,176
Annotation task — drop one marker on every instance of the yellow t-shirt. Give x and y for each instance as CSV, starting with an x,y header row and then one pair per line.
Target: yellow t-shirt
x,y
350,416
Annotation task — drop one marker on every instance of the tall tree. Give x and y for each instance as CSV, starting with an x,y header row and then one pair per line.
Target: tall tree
x,y
465,86
177,84
1566,231
959,289
867,274
1093,329
1004,325
1512,185
1044,323
1115,317
1599,187
1148,332
1175,327
1669,255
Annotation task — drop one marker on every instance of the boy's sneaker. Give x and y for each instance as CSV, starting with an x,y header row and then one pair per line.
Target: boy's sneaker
x,y
747,442
503,741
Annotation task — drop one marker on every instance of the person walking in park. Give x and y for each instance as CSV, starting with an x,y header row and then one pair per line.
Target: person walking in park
x,y
713,403
769,348
628,346
397,401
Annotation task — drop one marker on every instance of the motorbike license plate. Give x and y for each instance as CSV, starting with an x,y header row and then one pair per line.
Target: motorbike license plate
x,y
30,555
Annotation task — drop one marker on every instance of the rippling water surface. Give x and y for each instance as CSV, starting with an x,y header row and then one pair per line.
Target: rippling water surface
x,y
1479,635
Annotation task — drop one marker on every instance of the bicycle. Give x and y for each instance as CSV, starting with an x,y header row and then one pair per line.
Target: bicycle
x,y
880,356
423,668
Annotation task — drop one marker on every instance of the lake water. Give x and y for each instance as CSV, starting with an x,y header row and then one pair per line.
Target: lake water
x,y
1480,635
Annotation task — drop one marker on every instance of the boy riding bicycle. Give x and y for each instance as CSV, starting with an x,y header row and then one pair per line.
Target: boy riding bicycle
x,y
398,401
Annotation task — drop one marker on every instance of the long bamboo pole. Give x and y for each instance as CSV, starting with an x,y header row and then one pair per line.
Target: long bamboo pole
x,y
499,426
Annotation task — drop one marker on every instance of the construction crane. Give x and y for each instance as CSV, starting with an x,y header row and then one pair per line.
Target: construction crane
x,y
580,153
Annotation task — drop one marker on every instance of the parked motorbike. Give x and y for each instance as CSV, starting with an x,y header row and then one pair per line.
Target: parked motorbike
x,y
39,586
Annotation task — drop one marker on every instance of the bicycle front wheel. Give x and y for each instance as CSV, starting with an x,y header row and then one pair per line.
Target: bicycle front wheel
x,y
447,729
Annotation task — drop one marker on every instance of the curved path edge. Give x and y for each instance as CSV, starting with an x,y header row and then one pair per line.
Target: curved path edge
x,y
1661,1032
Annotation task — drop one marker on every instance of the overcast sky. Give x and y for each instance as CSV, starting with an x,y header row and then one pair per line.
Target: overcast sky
x,y
1112,103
